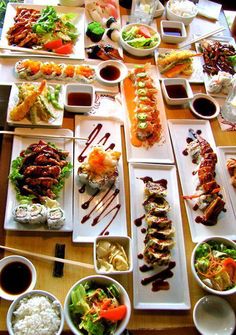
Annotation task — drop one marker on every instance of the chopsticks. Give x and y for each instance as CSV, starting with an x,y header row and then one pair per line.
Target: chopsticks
x,y
31,51
47,258
6,132
199,38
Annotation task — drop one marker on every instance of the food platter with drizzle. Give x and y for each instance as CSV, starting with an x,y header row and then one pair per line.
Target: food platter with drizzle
x,y
98,213
172,276
225,225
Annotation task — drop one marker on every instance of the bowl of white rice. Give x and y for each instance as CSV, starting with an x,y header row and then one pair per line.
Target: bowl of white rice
x,y
181,10
35,313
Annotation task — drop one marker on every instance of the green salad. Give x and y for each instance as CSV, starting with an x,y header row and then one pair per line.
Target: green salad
x,y
140,37
215,264
96,309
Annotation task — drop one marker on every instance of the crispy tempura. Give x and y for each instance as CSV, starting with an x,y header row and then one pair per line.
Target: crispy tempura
x,y
174,56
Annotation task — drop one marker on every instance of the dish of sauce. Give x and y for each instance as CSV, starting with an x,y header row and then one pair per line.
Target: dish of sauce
x,y
15,278
110,72
176,91
172,31
204,107
79,99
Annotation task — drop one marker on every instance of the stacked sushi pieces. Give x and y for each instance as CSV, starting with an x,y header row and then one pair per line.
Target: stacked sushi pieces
x,y
158,240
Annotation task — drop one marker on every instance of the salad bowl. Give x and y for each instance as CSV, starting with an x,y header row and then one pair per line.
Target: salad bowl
x,y
213,265
113,308
139,39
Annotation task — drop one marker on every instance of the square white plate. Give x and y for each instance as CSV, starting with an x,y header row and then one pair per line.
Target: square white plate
x,y
225,225
65,199
196,77
177,297
224,154
160,152
108,207
53,123
78,21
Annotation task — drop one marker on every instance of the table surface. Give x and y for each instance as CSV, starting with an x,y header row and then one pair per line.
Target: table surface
x,y
163,322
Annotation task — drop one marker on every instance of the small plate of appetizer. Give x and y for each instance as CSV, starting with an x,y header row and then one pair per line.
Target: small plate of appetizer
x,y
36,104
146,132
158,243
48,28
39,194
179,64
219,64
102,30
206,199
99,198
227,156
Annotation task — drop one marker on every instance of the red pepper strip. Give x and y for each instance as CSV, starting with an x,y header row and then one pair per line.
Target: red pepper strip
x,y
114,314
189,197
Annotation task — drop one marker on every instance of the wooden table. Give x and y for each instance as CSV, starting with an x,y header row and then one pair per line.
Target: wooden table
x,y
155,322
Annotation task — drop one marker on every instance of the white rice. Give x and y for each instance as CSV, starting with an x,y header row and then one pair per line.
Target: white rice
x,y
183,8
36,315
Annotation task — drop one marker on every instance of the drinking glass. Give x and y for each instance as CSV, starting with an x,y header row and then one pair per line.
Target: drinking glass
x,y
143,11
229,108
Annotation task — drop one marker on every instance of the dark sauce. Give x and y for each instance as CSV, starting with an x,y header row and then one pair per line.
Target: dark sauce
x,y
143,230
172,31
138,221
79,99
189,139
199,131
195,207
204,107
185,152
209,222
160,285
92,136
140,256
176,91
82,189
145,268
15,278
163,275
110,72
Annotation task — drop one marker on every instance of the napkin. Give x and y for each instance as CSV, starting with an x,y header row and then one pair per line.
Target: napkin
x,y
209,9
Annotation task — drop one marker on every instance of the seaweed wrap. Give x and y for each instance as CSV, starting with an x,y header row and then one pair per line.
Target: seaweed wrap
x,y
37,214
55,218
95,31
21,213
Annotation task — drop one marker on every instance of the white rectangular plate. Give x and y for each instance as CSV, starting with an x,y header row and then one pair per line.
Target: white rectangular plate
x,y
13,100
197,75
78,21
109,213
224,154
177,297
65,199
206,77
160,152
225,225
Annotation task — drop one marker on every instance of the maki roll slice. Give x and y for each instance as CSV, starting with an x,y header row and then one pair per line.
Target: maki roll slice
x,y
68,72
84,73
112,23
55,218
21,213
95,31
47,69
113,34
28,69
37,214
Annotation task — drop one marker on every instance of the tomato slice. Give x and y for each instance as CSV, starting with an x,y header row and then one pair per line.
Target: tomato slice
x,y
64,49
114,314
230,266
51,45
144,31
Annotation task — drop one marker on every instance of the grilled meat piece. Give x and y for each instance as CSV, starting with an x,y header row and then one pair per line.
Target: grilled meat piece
x,y
44,171
47,182
214,209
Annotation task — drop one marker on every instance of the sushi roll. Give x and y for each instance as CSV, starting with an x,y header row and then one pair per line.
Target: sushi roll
x,y
112,23
55,218
58,71
84,73
113,34
68,72
37,214
95,31
47,69
21,213
28,69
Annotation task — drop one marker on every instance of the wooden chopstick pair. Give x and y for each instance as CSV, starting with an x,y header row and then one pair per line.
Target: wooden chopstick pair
x,y
6,132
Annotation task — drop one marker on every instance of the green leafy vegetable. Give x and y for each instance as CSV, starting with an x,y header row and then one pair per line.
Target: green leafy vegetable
x,y
232,59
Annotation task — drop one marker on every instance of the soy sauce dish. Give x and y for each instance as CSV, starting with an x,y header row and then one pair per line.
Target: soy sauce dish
x,y
204,106
79,98
111,72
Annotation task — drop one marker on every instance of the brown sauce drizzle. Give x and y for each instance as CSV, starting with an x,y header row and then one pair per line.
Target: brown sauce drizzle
x,y
104,231
145,268
90,140
82,189
140,256
163,275
86,204
138,221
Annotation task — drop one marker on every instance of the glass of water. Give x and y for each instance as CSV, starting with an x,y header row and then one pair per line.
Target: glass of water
x,y
143,11
228,110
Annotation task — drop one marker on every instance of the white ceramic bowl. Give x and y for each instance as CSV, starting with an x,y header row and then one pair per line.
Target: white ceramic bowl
x,y
125,242
79,88
174,17
173,38
160,10
139,52
224,240
48,295
111,72
202,97
11,259
176,81
213,315
103,281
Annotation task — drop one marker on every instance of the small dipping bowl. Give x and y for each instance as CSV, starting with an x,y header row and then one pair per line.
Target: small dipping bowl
x,y
123,241
213,315
17,276
79,98
173,31
176,91
111,72
204,106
